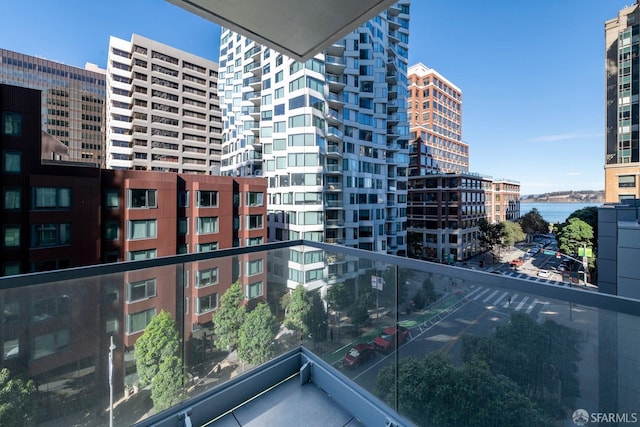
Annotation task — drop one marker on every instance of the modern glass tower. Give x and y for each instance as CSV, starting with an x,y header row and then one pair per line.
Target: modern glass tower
x,y
73,104
330,134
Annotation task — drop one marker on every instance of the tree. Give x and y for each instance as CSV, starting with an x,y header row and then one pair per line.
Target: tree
x,y
541,358
359,311
431,391
532,222
588,215
229,317
159,342
256,336
17,400
297,311
512,233
166,388
491,235
574,235
317,319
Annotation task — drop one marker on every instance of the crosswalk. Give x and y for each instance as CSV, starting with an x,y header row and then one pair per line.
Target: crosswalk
x,y
504,299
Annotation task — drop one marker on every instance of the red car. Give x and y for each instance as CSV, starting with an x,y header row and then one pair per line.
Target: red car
x,y
386,341
358,355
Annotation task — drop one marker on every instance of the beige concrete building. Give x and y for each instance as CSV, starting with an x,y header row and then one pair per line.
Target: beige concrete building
x,y
163,112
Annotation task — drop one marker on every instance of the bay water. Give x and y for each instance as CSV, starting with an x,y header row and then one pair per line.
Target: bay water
x,y
555,212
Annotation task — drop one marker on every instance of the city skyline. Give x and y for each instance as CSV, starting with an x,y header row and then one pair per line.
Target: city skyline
x,y
517,99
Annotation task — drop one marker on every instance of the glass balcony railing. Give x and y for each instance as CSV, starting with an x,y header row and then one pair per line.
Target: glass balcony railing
x,y
439,345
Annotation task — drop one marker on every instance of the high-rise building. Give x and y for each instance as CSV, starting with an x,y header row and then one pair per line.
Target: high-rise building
x,y
435,117
162,109
58,215
72,104
622,136
331,134
445,199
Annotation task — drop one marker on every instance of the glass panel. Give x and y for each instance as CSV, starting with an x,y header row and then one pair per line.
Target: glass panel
x,y
398,332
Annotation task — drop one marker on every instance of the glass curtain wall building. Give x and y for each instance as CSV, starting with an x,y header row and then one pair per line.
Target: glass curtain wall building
x,y
72,108
331,134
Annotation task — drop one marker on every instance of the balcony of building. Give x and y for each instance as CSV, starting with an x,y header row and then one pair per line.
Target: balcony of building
x,y
334,64
336,82
335,100
577,346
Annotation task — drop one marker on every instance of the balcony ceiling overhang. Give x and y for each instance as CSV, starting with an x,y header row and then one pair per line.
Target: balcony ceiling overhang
x,y
297,28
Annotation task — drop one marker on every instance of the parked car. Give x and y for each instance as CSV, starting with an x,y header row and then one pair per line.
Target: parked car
x,y
358,355
386,341
544,273
516,262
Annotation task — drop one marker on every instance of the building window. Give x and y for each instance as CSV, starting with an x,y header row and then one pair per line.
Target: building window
x,y
139,198
253,267
254,198
12,124
142,229
12,198
49,344
10,268
143,289
51,198
50,308
208,225
12,162
206,247
207,199
314,274
206,303
111,199
183,225
183,199
136,322
254,241
254,222
112,230
143,254
627,181
206,277
253,290
51,235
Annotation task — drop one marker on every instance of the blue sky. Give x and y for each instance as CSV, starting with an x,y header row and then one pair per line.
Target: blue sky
x,y
532,73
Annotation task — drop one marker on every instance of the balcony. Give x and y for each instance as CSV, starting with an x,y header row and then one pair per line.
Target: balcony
x,y
334,133
568,342
335,99
334,64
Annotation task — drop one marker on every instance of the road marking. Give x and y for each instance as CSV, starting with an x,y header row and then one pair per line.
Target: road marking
x,y
473,291
448,346
490,296
500,298
535,301
522,303
481,293
508,303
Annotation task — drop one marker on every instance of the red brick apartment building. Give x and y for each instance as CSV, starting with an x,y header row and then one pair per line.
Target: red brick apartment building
x,y
59,215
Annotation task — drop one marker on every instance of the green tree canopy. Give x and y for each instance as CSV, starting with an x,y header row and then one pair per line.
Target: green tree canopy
x,y
17,400
532,222
338,296
431,391
159,342
298,310
574,235
588,215
256,336
491,235
166,389
541,358
229,317
512,233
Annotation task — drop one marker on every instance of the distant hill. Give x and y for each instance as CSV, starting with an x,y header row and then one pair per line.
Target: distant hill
x,y
587,196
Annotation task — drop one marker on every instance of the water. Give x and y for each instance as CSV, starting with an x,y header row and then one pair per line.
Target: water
x,y
555,212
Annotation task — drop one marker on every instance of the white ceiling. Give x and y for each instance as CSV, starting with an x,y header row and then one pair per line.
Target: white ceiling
x,y
297,28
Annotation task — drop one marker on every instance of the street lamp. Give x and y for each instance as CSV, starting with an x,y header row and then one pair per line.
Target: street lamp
x,y
112,347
